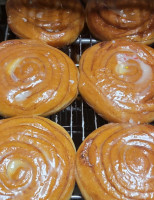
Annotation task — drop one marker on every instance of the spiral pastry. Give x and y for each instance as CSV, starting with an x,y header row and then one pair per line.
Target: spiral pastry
x,y
132,20
116,161
57,22
37,159
117,80
35,78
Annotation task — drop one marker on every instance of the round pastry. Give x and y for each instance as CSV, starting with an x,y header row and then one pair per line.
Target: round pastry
x,y
117,81
116,161
35,78
57,22
132,20
37,159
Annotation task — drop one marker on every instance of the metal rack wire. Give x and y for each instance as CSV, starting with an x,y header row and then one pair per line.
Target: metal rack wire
x,y
78,119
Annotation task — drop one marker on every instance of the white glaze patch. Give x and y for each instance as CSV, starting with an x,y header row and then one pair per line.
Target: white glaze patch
x,y
123,63
131,121
22,96
71,81
146,73
14,166
13,65
39,15
47,95
24,19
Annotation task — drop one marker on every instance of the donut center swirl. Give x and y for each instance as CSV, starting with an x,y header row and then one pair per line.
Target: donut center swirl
x,y
24,69
130,68
19,172
127,68
137,161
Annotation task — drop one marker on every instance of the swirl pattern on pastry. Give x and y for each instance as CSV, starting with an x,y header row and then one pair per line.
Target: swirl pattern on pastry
x,y
37,159
57,22
116,161
132,20
117,80
35,78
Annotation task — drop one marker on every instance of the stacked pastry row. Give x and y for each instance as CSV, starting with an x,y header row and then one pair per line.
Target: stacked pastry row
x,y
38,161
59,22
115,78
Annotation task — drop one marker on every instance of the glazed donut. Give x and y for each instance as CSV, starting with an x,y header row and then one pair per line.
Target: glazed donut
x,y
132,20
35,78
57,22
37,159
117,81
116,162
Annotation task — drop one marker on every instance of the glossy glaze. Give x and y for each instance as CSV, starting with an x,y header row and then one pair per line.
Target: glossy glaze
x,y
35,78
57,22
116,161
36,160
109,20
116,79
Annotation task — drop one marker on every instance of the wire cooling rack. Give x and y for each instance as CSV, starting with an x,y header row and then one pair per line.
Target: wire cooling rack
x,y
78,119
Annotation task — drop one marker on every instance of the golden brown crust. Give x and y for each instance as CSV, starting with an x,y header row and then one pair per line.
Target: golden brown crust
x,y
35,78
132,20
57,22
117,80
37,159
116,162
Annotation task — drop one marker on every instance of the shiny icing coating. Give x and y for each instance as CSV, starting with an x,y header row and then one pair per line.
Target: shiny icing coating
x,y
57,22
36,160
117,80
35,78
132,20
116,161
